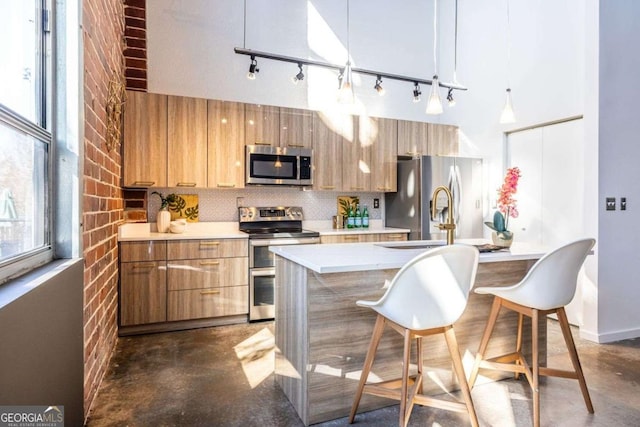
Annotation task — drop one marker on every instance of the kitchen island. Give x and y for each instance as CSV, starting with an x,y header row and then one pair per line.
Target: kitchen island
x,y
322,335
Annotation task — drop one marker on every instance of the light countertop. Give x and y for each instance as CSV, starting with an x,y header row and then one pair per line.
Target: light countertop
x,y
347,257
132,232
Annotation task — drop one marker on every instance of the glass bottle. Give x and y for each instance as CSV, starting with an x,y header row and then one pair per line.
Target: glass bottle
x,y
365,217
358,217
351,221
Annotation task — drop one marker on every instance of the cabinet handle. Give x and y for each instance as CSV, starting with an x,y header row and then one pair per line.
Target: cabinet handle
x,y
384,188
351,238
357,188
295,145
262,143
209,292
225,185
412,153
327,187
209,243
143,183
144,265
209,263
186,184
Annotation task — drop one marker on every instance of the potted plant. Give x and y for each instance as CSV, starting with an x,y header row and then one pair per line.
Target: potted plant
x,y
507,208
163,219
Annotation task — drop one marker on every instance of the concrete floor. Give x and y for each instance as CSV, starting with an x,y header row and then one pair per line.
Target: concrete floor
x,y
223,377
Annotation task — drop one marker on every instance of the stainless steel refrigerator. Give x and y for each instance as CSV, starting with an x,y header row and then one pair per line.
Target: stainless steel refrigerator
x,y
410,207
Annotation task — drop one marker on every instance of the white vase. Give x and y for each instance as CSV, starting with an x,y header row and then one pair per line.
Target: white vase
x,y
503,239
162,221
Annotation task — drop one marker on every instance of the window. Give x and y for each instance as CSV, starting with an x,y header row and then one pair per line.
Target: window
x,y
25,136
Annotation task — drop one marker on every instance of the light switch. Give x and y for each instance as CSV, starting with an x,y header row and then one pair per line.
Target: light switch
x,y
611,203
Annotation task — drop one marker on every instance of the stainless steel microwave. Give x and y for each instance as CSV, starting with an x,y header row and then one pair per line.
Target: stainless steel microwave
x,y
268,165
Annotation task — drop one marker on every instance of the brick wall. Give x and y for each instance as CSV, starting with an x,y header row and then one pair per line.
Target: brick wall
x,y
135,52
103,29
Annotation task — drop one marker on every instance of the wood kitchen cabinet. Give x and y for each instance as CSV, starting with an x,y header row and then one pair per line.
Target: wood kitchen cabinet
x,y
187,142
363,237
443,140
225,126
383,134
207,278
356,153
143,291
145,140
413,138
327,153
262,125
296,128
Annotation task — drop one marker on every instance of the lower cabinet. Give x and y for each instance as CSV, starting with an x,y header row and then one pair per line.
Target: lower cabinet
x,y
203,281
363,237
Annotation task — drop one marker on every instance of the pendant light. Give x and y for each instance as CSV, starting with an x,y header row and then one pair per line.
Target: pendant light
x,y
508,116
434,103
345,92
450,99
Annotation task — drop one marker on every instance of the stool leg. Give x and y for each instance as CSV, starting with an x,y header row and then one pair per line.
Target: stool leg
x,y
405,407
491,322
452,343
519,341
568,338
368,362
419,361
535,368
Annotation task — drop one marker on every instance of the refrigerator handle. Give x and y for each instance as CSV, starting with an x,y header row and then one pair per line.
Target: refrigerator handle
x,y
455,186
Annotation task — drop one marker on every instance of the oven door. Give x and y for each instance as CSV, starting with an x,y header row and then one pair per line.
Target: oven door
x,y
262,293
261,257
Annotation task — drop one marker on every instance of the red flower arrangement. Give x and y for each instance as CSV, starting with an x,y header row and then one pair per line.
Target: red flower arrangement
x,y
506,203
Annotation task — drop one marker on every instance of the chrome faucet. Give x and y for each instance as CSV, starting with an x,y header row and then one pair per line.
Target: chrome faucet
x,y
450,226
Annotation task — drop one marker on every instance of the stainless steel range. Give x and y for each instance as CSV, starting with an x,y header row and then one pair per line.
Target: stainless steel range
x,y
269,226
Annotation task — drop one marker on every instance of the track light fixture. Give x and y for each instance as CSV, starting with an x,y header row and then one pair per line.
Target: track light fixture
x,y
300,76
378,87
253,68
450,100
416,92
345,93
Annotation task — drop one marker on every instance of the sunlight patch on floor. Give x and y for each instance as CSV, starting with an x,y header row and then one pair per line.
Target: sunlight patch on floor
x,y
256,354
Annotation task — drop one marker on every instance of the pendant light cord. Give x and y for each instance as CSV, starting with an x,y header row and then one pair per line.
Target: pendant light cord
x,y
435,36
244,29
455,46
348,44
508,46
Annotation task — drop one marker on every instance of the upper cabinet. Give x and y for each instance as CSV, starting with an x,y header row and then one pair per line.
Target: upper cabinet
x,y
327,154
145,140
296,128
413,138
357,144
262,125
226,144
383,134
443,140
187,142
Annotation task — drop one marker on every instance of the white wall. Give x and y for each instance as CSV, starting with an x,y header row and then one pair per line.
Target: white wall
x,y
190,52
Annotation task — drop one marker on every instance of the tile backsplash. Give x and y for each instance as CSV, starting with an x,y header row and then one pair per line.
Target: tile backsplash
x,y
222,205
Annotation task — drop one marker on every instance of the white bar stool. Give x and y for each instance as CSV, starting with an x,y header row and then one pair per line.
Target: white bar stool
x,y
548,286
424,298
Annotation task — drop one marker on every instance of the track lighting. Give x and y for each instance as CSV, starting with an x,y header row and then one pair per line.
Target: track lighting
x,y
300,76
345,93
450,100
378,87
434,104
416,92
253,69
508,116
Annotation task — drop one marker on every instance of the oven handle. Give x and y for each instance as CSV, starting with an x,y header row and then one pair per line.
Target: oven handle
x,y
287,241
262,272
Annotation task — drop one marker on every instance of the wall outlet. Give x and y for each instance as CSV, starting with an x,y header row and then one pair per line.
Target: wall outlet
x,y
623,203
611,203
376,203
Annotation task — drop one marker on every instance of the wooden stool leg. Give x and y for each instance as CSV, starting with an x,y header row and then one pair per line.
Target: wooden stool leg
x,y
419,361
368,363
519,341
535,368
452,343
491,322
568,339
405,407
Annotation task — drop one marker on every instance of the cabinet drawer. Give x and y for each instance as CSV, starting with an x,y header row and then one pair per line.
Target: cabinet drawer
x,y
153,250
211,302
207,273
346,238
143,293
214,248
392,237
